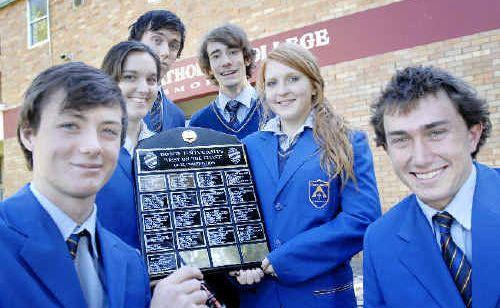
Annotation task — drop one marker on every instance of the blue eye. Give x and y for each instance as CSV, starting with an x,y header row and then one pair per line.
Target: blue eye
x,y
174,46
398,140
69,126
157,40
111,132
270,83
434,134
293,79
128,77
152,81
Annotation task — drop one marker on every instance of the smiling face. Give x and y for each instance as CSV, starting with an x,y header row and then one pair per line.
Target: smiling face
x,y
138,84
430,148
74,151
166,44
227,64
288,93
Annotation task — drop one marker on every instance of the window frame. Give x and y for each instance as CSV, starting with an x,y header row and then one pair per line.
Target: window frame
x,y
30,22
77,6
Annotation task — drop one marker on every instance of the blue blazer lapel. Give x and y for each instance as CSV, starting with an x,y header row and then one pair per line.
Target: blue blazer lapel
x,y
267,150
485,244
421,255
115,268
125,163
304,150
45,250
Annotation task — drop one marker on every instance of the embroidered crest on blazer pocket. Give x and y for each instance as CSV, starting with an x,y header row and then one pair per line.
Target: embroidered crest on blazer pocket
x,y
337,289
319,193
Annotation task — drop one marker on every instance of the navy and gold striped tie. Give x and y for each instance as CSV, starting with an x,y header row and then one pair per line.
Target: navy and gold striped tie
x,y
73,240
156,115
455,259
232,108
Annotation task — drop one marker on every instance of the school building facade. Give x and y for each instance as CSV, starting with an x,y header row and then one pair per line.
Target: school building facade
x,y
359,44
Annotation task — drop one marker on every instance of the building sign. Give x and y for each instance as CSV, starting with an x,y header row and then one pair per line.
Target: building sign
x,y
186,79
396,26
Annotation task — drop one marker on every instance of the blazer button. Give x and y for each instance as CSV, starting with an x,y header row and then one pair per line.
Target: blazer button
x,y
278,206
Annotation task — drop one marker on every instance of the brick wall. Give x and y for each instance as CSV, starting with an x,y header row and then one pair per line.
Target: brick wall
x,y
353,86
90,30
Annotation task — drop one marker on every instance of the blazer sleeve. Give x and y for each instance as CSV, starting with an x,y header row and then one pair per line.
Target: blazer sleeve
x,y
325,247
372,296
147,288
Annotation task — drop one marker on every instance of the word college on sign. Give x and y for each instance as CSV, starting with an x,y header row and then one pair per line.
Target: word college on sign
x,y
189,76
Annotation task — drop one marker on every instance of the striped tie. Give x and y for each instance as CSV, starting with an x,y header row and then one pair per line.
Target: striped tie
x,y
73,240
232,108
454,258
156,115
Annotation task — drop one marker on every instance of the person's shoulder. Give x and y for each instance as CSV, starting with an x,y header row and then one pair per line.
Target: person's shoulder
x,y
487,170
255,137
16,204
173,108
200,113
389,222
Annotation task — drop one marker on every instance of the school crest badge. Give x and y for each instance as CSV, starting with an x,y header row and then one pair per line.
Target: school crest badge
x,y
234,155
319,193
151,160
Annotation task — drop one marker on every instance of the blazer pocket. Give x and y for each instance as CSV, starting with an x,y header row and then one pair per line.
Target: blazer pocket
x,y
336,289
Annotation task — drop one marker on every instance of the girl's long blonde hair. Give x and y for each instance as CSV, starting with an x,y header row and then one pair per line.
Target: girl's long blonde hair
x,y
330,129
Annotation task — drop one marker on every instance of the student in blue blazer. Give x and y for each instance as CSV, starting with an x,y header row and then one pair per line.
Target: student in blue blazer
x,y
136,69
227,60
53,252
317,189
439,246
164,33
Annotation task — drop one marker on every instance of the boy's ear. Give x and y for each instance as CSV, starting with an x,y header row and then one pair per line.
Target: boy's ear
x,y
26,135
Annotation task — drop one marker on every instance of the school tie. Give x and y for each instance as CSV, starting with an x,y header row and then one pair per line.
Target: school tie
x,y
73,240
156,115
455,259
232,108
88,274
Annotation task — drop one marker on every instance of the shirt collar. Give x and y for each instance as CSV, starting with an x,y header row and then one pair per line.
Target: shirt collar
x,y
245,97
274,125
64,223
460,206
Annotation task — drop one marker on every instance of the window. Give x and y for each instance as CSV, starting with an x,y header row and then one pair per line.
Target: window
x,y
77,3
38,21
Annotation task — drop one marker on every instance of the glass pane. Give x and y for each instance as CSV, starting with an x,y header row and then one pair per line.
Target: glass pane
x,y
39,31
38,8
77,2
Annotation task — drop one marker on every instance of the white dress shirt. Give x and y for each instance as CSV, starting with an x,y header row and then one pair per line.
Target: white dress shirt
x,y
86,262
460,208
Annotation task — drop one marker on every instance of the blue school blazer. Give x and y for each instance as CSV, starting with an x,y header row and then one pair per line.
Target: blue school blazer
x,y
36,269
172,115
116,202
403,266
313,225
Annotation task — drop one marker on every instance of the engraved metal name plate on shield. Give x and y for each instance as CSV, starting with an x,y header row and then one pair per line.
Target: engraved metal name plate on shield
x,y
197,203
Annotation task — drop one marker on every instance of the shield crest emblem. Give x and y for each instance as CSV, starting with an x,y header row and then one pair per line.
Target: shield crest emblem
x,y
234,155
151,160
319,193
